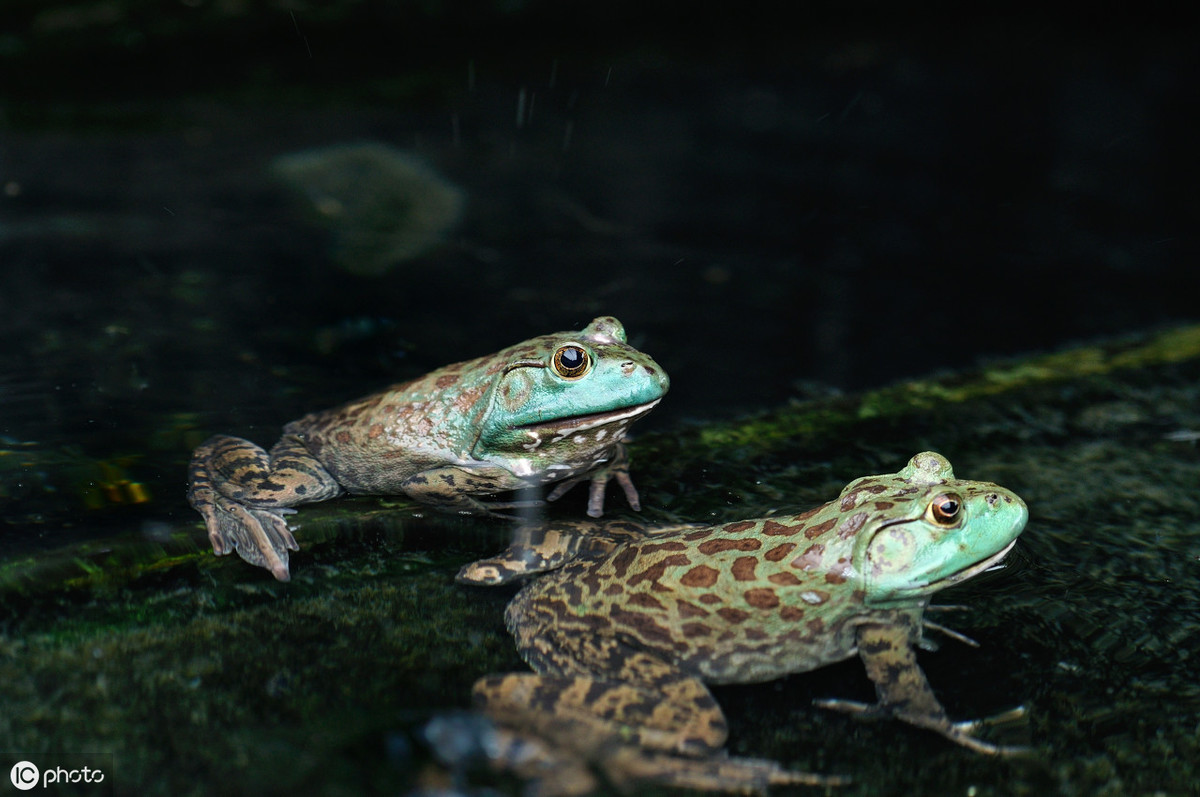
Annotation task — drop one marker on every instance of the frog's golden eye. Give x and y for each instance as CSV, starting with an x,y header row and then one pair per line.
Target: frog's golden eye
x,y
945,510
571,361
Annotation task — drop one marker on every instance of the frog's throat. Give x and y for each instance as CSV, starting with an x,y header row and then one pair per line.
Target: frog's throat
x,y
924,590
591,420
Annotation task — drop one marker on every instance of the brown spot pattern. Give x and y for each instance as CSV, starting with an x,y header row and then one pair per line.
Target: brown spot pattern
x,y
792,613
645,601
699,534
622,561
446,381
655,571
820,528
739,526
772,528
375,430
761,598
816,625
779,552
743,568
733,616
806,514
699,576
710,598
835,577
725,544
849,501
784,579
882,505
686,609
672,545
343,437
693,630
643,624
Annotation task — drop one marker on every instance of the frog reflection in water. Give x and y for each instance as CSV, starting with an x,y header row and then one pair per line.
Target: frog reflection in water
x,y
552,409
624,637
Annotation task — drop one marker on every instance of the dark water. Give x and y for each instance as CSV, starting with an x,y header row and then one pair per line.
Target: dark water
x,y
773,214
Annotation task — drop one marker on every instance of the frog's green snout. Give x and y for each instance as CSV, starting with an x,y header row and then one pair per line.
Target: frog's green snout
x,y
659,376
1008,508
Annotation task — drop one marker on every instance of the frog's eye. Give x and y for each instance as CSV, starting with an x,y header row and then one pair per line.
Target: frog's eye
x,y
571,361
945,510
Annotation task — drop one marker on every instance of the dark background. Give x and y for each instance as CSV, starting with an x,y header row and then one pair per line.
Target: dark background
x,y
774,204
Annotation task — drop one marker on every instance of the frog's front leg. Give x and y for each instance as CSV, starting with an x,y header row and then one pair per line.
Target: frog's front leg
x,y
616,468
904,692
242,492
451,488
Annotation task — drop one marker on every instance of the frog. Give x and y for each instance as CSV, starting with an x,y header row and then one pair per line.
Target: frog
x,y
626,633
554,409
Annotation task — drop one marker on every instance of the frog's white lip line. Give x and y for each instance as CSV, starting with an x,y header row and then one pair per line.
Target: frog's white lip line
x,y
955,578
979,567
581,423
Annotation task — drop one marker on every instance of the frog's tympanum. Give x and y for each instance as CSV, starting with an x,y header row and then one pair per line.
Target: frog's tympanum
x,y
624,637
552,409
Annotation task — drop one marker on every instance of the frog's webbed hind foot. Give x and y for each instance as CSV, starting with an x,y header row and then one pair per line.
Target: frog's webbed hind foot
x,y
260,536
617,468
243,492
958,732
964,733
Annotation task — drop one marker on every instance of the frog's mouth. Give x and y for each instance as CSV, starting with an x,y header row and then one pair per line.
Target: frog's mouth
x,y
977,568
904,594
590,420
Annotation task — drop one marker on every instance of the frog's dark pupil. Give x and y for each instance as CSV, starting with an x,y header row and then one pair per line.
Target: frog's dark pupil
x,y
949,507
572,358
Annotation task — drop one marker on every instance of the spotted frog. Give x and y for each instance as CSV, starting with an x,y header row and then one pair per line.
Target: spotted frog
x,y
552,409
624,637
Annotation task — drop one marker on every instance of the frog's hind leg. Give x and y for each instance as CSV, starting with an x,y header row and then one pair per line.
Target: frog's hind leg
x,y
535,548
669,734
242,493
589,714
541,547
669,713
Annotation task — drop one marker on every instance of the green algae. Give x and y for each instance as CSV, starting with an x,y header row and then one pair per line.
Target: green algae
x,y
196,671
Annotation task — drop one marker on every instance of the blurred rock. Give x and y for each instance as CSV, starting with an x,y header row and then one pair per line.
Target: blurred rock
x,y
383,206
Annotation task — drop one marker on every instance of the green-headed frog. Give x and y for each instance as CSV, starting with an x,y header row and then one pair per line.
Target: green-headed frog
x,y
552,409
625,636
